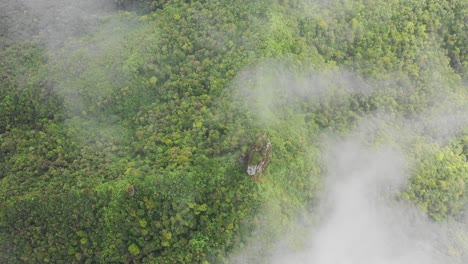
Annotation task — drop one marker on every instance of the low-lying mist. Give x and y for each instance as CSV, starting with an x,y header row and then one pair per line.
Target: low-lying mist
x,y
362,221
360,216
363,129
52,22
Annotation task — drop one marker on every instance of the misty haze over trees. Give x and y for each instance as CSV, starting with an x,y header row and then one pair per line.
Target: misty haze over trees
x,y
267,131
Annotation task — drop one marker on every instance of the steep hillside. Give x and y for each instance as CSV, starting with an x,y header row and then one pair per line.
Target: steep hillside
x,y
121,138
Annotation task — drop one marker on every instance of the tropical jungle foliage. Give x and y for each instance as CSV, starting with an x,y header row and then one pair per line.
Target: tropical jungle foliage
x,y
121,145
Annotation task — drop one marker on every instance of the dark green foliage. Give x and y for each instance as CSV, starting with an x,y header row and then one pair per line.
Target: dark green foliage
x,y
140,5
26,95
122,146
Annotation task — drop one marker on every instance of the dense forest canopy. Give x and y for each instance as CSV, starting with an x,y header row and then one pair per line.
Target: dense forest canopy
x,y
124,123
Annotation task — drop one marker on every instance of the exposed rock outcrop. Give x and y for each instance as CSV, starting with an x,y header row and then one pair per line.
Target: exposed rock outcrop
x,y
259,156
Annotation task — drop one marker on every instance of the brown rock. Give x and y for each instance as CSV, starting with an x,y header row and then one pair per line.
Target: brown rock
x,y
257,159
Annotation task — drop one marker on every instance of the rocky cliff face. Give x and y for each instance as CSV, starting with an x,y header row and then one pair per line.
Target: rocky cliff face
x,y
257,159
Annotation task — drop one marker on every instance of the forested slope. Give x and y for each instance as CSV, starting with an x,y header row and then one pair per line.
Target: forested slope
x,y
121,144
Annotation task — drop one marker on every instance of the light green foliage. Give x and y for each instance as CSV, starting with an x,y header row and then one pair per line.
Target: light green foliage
x,y
134,250
439,184
122,145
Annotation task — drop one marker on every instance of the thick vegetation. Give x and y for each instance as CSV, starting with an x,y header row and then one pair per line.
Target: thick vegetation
x,y
122,145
